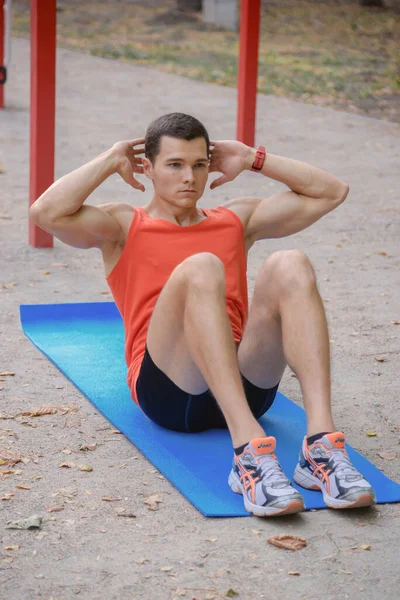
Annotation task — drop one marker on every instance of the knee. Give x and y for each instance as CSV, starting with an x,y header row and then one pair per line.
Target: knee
x,y
292,270
203,270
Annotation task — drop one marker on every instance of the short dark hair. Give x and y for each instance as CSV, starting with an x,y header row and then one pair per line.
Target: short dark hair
x,y
177,125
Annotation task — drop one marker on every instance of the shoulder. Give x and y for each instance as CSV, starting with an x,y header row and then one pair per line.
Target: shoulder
x,y
243,208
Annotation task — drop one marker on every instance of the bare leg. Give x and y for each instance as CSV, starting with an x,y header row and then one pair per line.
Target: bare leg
x,y
211,344
287,324
306,346
192,313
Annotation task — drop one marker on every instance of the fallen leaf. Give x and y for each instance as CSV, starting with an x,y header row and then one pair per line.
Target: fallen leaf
x,y
391,455
2,170
211,539
67,465
33,522
7,496
66,450
395,322
256,531
382,253
106,499
45,409
116,431
85,467
231,593
46,272
152,501
289,542
9,471
63,410
59,387
23,487
141,561
370,433
166,569
56,508
86,447
293,573
365,546
127,514
339,246
380,358
11,547
7,374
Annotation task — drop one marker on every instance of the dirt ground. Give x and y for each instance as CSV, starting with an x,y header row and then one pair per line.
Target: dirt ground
x,y
84,549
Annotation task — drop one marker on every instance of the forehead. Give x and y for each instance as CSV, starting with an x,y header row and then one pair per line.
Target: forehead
x,y
189,149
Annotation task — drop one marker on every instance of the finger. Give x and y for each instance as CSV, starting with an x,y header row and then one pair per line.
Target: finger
x,y
218,182
137,151
137,185
137,141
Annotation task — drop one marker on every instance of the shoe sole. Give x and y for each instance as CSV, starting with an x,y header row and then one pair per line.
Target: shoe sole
x,y
309,482
292,507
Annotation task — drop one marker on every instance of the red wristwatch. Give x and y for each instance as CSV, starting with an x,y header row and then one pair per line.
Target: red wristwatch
x,y
259,159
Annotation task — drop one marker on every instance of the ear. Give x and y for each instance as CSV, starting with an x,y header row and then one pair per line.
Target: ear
x,y
147,168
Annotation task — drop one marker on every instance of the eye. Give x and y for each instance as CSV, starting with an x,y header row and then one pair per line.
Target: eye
x,y
175,164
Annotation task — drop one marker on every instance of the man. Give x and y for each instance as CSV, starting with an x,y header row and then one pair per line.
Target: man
x,y
197,357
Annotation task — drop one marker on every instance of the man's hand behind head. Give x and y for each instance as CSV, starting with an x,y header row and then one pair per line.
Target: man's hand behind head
x,y
126,154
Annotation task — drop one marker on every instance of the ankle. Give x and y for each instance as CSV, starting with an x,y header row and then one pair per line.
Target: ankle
x,y
244,437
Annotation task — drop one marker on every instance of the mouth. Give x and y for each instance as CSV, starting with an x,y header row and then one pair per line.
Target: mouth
x,y
187,192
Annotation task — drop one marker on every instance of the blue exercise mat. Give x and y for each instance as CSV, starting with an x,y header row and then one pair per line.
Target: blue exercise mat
x,y
86,342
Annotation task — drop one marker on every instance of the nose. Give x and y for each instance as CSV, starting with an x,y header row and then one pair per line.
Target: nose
x,y
188,176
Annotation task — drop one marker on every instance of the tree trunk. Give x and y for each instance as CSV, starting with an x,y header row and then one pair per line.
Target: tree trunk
x,y
189,5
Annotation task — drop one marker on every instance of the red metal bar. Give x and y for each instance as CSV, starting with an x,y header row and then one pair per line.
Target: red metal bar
x,y
2,37
248,68
43,88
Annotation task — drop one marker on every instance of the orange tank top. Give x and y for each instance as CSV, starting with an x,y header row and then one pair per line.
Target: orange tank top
x,y
154,247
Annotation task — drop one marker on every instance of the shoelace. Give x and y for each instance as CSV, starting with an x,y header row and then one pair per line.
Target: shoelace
x,y
271,469
342,463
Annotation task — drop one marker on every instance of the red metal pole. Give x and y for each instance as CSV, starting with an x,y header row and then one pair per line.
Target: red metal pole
x,y
43,88
2,37
248,67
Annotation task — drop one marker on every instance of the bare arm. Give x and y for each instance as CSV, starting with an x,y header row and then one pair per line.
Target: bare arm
x,y
313,194
60,209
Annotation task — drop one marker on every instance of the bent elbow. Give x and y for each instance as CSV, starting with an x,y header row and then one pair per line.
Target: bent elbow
x,y
344,192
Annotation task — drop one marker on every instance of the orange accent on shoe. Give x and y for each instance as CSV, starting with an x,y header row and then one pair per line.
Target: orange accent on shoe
x,y
263,445
336,439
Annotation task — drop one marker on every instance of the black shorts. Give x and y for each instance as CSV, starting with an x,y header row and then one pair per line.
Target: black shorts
x,y
170,407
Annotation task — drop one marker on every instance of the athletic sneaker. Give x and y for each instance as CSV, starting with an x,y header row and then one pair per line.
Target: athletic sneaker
x,y
258,476
325,466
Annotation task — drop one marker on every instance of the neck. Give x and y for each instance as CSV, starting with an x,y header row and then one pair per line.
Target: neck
x,y
180,215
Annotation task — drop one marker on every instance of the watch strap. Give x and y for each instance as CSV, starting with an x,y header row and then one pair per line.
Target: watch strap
x,y
259,159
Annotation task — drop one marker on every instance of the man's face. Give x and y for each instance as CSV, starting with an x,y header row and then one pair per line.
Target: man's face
x,y
180,171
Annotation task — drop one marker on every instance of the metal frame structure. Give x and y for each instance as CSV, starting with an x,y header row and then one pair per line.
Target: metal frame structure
x,y
43,86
